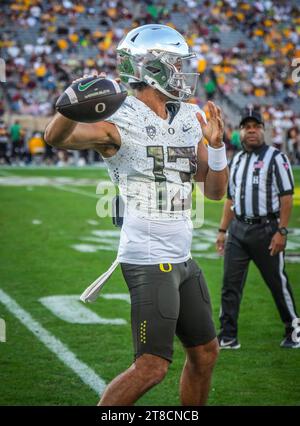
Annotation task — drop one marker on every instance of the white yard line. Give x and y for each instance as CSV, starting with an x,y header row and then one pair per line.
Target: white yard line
x,y
63,353
76,191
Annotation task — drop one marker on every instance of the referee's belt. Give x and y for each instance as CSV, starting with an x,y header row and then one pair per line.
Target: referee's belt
x,y
257,219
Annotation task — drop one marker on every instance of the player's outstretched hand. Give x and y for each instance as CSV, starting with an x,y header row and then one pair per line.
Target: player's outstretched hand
x,y
214,128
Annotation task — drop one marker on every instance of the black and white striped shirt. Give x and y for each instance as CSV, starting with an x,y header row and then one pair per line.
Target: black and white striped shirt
x,y
258,179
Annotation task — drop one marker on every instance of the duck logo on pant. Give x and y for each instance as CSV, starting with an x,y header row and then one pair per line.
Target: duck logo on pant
x,y
165,267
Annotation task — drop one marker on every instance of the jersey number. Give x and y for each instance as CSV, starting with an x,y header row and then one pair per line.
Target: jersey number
x,y
174,153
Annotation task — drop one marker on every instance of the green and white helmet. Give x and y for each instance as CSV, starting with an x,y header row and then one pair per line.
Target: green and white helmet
x,y
157,55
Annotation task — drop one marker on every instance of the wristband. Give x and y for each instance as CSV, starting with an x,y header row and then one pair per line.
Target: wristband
x,y
222,230
217,159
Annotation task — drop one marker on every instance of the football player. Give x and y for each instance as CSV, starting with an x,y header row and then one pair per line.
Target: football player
x,y
153,147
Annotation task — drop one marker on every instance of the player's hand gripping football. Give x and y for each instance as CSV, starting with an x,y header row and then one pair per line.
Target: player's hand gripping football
x,y
214,128
94,74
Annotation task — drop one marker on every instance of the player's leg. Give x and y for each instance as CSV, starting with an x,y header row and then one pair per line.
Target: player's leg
x,y
146,372
197,372
196,331
154,311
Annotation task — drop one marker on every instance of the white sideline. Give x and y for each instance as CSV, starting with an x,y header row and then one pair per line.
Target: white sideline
x,y
63,353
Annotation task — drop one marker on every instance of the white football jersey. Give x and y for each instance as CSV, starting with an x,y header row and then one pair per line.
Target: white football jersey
x,y
153,169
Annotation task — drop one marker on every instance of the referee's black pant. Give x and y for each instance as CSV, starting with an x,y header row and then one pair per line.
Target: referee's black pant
x,y
247,242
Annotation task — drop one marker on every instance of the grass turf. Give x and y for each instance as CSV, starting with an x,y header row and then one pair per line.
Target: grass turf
x,y
37,260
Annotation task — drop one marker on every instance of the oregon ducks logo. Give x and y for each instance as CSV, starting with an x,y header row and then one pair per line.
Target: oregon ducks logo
x,y
165,267
101,107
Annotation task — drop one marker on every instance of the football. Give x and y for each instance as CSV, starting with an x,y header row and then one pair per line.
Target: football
x,y
91,99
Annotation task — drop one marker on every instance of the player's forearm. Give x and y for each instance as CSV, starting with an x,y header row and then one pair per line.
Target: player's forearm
x,y
216,183
58,130
227,216
286,204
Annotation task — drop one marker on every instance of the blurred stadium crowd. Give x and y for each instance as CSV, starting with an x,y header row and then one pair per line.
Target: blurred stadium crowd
x,y
244,55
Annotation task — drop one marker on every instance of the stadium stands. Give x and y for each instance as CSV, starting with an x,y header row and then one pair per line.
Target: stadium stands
x,y
244,49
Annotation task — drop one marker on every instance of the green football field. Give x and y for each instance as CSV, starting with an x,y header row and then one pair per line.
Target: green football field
x,y
59,351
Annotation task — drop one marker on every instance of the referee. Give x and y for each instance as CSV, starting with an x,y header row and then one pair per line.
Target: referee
x,y
256,215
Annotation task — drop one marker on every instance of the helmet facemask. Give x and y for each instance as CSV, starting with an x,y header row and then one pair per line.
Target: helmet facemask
x,y
164,71
181,84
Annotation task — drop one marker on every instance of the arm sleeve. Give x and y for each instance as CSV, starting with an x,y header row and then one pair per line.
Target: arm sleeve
x,y
283,175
